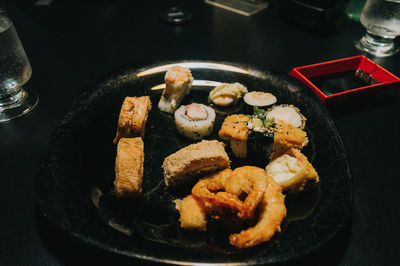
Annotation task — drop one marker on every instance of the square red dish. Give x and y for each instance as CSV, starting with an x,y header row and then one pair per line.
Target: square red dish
x,y
338,79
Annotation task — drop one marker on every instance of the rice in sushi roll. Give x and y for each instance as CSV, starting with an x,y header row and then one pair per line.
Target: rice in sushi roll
x,y
287,113
258,99
195,121
178,81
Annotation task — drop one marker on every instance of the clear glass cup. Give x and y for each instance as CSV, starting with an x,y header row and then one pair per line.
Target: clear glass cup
x,y
15,71
381,18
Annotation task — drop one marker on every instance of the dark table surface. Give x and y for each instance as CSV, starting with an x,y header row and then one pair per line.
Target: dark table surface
x,y
71,43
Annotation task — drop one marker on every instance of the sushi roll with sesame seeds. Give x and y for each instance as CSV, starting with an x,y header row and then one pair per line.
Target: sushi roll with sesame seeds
x,y
195,120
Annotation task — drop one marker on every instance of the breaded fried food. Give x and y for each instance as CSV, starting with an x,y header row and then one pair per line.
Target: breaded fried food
x,y
292,170
129,167
286,137
193,213
133,117
194,160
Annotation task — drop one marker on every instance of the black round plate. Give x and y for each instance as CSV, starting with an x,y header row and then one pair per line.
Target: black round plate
x,y
76,173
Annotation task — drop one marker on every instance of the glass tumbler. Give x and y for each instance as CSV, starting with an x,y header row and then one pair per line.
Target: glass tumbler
x,y
381,18
15,71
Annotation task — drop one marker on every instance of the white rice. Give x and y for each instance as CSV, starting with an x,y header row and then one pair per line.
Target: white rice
x,y
194,129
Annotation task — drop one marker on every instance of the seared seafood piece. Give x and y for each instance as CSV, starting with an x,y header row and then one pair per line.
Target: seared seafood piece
x,y
234,128
286,137
273,211
193,160
133,117
129,167
291,171
178,81
227,94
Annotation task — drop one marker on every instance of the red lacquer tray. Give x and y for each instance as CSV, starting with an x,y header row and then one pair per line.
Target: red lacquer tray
x,y
380,78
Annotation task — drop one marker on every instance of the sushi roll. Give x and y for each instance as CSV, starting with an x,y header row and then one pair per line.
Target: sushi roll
x,y
251,137
227,94
234,128
258,99
178,81
259,138
292,170
195,121
287,113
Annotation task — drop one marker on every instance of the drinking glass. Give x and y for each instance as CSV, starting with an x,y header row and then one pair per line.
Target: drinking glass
x,y
15,71
381,18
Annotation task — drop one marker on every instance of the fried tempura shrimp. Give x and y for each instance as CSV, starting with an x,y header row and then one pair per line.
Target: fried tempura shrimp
x,y
273,210
223,189
250,180
206,190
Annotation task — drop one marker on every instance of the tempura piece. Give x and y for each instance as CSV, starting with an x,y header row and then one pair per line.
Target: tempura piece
x,y
219,192
193,213
292,170
129,167
273,210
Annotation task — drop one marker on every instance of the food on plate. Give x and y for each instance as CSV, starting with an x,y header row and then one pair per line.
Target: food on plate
x,y
195,121
133,117
221,191
193,160
260,137
227,94
249,180
129,167
292,170
234,128
178,81
287,136
259,99
193,213
257,137
272,212
288,114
